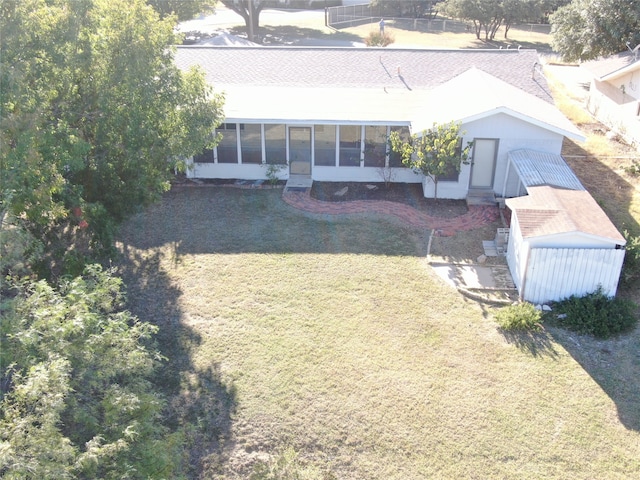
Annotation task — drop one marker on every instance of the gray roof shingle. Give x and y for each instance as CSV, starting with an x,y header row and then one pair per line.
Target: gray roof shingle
x,y
359,67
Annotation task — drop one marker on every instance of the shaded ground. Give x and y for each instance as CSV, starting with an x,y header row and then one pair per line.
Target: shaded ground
x,y
407,193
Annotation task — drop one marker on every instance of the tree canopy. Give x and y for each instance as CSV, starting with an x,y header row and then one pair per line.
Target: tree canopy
x,y
183,10
77,401
490,15
588,29
94,119
95,116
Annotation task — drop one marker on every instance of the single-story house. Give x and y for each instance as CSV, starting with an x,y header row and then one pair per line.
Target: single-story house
x,y
326,113
561,243
614,93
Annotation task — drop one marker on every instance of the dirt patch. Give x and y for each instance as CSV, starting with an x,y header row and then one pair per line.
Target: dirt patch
x,y
407,193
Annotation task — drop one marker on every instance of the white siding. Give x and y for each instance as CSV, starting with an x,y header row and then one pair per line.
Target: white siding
x,y
517,252
514,134
556,273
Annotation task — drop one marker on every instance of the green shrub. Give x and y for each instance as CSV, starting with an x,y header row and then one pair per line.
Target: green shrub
x,y
596,314
520,316
631,266
376,39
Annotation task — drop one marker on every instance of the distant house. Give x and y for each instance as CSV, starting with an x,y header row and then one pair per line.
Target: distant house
x,y
614,94
326,113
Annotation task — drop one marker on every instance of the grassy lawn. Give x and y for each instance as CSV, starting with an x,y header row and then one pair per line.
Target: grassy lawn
x,y
333,337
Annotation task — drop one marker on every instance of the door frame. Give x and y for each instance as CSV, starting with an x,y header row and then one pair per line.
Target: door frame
x,y
496,143
310,128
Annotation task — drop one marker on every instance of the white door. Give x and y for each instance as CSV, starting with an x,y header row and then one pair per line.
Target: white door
x,y
483,162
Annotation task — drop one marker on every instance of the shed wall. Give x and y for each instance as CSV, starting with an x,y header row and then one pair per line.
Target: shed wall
x,y
556,273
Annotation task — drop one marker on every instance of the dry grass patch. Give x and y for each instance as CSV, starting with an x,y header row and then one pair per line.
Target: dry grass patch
x,y
332,336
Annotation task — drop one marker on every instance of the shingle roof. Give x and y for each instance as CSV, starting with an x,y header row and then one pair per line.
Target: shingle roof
x,y
477,94
614,65
549,211
375,85
359,67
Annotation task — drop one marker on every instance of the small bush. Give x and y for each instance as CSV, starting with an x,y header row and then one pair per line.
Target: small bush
x,y
520,316
633,169
631,266
596,314
376,39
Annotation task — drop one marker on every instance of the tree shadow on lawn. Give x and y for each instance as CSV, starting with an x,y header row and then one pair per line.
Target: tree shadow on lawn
x,y
292,35
614,364
535,343
200,403
210,220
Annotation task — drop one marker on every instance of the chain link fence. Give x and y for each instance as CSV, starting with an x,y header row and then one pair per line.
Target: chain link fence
x,y
354,15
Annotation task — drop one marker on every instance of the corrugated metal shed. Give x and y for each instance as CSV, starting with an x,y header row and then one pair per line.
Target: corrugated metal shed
x,y
561,242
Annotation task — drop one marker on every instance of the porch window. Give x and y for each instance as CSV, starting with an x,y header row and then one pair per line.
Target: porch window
x,y
275,143
395,159
375,146
228,146
251,142
206,156
325,145
350,145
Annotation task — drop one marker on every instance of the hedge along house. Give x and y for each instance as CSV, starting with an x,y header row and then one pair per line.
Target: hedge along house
x,y
326,113
561,243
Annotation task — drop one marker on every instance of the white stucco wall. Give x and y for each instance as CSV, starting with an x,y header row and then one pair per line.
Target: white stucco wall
x,y
616,108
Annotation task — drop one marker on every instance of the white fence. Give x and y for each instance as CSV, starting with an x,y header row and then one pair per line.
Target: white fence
x,y
556,273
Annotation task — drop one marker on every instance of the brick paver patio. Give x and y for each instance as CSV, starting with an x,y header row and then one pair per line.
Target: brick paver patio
x,y
477,216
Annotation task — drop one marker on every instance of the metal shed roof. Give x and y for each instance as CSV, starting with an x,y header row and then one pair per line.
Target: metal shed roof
x,y
540,168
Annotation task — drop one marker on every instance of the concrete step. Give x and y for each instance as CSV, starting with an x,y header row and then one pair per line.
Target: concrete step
x,y
298,183
481,197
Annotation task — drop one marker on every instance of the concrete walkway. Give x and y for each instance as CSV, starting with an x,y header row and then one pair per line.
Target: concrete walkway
x,y
477,216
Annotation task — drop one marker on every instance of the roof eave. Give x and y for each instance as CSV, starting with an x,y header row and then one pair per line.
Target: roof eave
x,y
575,135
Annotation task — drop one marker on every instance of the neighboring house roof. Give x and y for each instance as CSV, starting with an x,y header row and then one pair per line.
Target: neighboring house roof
x,y
539,168
614,66
548,211
377,85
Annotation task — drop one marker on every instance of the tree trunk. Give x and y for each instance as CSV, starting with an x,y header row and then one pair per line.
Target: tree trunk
x,y
478,29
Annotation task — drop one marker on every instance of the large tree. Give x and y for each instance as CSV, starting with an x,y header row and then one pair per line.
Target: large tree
x,y
434,153
182,9
249,10
588,29
76,399
95,116
490,15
